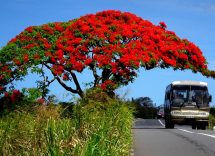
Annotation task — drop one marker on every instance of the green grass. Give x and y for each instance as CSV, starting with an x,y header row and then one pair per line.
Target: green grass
x,y
111,132
211,121
96,128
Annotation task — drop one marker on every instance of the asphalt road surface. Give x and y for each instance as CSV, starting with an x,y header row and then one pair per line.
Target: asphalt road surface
x,y
152,139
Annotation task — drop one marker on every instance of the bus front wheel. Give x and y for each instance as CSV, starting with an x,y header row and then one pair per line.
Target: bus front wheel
x,y
169,124
194,126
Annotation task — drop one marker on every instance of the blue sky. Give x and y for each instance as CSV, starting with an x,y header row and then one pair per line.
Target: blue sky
x,y
191,19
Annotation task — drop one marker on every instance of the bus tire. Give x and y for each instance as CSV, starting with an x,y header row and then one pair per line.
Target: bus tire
x,y
172,125
169,124
201,126
194,126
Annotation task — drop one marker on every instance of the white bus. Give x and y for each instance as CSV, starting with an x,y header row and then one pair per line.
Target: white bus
x,y
187,102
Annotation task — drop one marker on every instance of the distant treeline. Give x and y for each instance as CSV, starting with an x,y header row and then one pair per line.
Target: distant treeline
x,y
212,111
145,108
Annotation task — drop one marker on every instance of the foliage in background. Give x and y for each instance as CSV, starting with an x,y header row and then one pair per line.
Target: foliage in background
x,y
111,44
145,108
212,111
212,118
211,121
94,127
27,99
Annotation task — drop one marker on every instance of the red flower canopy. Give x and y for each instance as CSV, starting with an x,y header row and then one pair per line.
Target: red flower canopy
x,y
111,44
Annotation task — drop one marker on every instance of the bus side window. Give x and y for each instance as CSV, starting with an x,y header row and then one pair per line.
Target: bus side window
x,y
210,98
168,96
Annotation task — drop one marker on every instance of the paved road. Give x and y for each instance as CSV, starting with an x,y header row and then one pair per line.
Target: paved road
x,y
152,139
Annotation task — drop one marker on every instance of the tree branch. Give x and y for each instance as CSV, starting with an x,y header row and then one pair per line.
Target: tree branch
x,y
106,73
78,87
96,76
77,91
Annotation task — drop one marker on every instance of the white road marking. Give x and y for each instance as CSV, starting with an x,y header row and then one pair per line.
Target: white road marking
x,y
161,123
212,136
185,130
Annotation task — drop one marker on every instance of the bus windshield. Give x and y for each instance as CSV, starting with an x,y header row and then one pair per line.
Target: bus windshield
x,y
190,95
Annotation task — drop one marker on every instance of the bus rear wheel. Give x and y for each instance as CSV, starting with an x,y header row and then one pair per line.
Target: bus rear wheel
x,y
201,126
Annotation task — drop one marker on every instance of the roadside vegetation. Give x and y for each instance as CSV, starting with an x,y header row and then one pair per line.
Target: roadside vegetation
x,y
212,118
96,125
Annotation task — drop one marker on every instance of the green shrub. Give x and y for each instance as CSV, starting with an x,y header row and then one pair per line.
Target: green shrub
x,y
212,111
211,121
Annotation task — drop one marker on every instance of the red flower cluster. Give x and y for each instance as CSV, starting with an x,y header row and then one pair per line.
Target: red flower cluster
x,y
25,58
163,25
108,85
1,88
13,96
41,101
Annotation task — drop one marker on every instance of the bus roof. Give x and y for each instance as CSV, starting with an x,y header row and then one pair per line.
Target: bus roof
x,y
188,82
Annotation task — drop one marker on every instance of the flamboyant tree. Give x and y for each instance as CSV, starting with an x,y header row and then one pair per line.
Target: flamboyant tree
x,y
113,45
